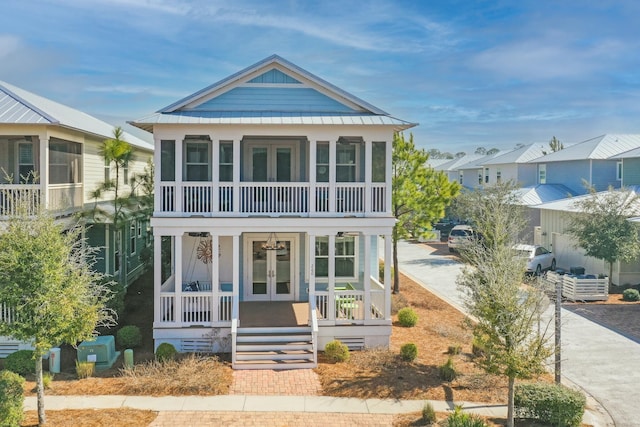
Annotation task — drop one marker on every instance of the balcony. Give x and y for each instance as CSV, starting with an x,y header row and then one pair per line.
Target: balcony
x,y
272,198
62,198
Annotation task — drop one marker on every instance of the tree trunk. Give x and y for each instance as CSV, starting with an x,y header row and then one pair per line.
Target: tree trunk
x,y
610,273
42,419
512,388
396,272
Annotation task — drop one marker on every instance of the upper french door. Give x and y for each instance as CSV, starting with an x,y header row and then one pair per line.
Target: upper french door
x,y
272,162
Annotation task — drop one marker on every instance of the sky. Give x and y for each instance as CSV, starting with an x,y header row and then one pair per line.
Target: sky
x,y
471,73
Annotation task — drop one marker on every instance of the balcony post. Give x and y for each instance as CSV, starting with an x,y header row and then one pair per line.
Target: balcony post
x,y
388,174
332,176
331,303
387,276
179,166
368,175
311,267
177,244
157,276
215,277
215,174
236,176
157,160
44,170
236,274
312,177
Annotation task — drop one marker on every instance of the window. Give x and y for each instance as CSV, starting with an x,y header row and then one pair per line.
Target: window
x,y
619,171
460,176
132,236
226,162
486,175
498,176
346,162
140,228
542,174
107,170
64,162
345,257
378,161
26,166
322,162
167,160
197,161
125,173
116,252
480,177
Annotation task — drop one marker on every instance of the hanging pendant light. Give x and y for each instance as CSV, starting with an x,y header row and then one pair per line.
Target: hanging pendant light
x,y
272,243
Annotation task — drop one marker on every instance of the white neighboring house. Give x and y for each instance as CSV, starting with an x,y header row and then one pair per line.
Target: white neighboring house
x,y
60,146
273,199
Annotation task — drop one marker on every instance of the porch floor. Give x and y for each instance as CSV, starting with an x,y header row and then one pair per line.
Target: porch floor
x,y
273,313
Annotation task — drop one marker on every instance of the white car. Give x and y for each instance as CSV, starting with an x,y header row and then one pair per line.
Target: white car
x,y
458,236
538,258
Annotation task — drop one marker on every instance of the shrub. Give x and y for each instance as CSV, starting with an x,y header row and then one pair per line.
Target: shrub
x,y
477,348
448,371
11,398
165,352
429,414
407,317
464,419
454,349
47,379
550,403
630,295
129,337
21,362
85,369
409,352
398,302
336,351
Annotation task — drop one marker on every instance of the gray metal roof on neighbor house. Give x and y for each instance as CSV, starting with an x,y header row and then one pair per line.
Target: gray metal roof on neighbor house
x,y
456,164
478,163
628,154
569,204
273,91
601,147
518,155
541,193
18,106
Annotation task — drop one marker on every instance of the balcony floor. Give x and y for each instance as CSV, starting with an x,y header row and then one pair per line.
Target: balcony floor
x,y
274,313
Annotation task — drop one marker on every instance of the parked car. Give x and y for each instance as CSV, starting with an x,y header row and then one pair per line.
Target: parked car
x,y
538,258
458,236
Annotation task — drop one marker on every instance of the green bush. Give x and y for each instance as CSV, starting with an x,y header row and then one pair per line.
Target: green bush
x,y
165,351
21,362
336,351
129,337
407,317
630,295
550,403
47,379
85,369
478,348
11,398
464,419
409,352
448,371
429,414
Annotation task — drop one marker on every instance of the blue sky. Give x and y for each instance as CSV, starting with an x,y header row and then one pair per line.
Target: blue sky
x,y
472,73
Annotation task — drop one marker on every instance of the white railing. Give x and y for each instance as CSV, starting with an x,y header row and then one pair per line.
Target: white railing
x,y
225,306
349,306
313,315
167,312
196,307
7,314
12,194
322,303
296,198
65,197
377,299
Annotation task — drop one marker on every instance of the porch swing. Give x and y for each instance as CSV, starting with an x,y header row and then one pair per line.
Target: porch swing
x,y
203,252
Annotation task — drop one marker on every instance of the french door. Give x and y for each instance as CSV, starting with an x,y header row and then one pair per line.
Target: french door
x,y
271,269
272,163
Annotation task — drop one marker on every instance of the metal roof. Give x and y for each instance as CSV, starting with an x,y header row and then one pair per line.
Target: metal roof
x,y
478,163
456,164
628,154
601,147
183,111
569,204
518,155
541,193
18,106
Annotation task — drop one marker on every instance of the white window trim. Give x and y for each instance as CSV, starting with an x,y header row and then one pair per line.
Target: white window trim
x,y
355,165
339,279
186,162
542,168
619,171
132,237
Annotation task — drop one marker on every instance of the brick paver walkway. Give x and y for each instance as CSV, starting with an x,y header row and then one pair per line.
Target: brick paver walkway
x,y
267,382
275,419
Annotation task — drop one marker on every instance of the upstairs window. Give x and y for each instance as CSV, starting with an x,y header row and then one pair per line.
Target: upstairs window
x,y
26,165
346,162
486,175
226,162
197,161
65,162
619,171
132,237
460,176
542,174
322,162
498,176
167,160
379,162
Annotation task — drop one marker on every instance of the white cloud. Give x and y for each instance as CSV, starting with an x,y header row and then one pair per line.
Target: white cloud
x,y
8,45
134,90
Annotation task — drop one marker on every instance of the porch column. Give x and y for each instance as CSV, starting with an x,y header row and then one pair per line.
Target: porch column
x,y
388,174
311,267
387,276
236,276
368,173
179,165
312,178
331,303
177,245
215,277
332,176
157,276
43,170
236,177
157,160
215,174
367,277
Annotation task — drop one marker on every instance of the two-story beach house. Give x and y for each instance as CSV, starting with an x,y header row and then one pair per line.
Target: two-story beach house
x,y
272,213
49,155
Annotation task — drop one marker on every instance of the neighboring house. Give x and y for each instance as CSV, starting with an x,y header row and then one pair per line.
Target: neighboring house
x,y
473,174
49,155
452,167
513,166
591,161
273,203
555,218
532,196
628,167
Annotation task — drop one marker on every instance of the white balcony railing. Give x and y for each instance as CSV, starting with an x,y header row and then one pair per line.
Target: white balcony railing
x,y
11,195
198,308
290,198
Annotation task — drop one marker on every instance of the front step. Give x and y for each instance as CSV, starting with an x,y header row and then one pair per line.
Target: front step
x,y
274,348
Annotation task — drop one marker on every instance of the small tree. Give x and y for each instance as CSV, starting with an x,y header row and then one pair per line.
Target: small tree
x,y
49,285
420,194
554,145
506,313
602,228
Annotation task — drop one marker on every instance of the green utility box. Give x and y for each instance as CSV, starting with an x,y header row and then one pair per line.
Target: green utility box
x,y
102,351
